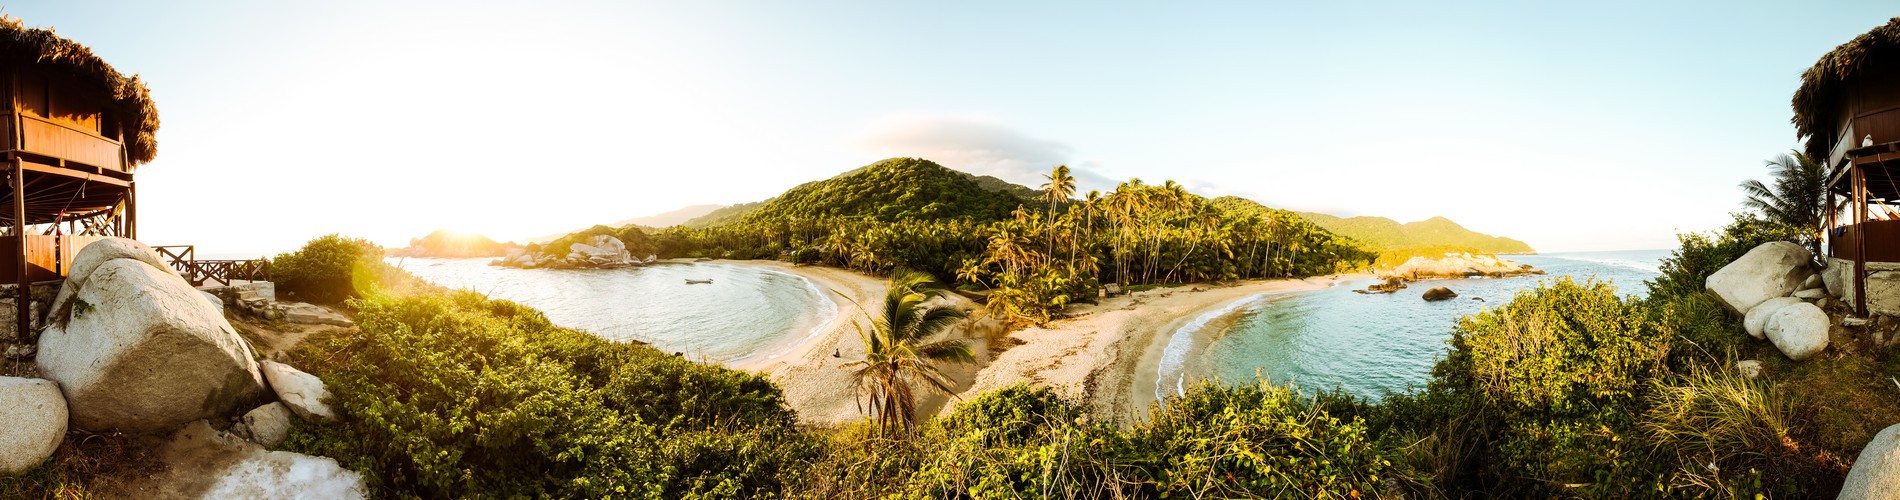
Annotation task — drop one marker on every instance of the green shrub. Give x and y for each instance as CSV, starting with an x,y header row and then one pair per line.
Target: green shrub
x,y
455,395
1689,266
1556,375
329,269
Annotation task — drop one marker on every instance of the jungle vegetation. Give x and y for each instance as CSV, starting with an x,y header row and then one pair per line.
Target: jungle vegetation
x,y
1384,233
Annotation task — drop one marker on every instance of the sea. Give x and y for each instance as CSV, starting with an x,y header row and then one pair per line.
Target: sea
x,y
1366,345
747,313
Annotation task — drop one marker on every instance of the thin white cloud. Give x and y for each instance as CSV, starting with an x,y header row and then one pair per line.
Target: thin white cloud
x,y
978,146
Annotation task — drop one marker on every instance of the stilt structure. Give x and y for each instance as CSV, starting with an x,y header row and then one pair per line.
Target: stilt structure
x,y
1848,108
74,132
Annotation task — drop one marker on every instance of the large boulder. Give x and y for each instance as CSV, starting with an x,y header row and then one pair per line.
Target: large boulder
x,y
1438,293
139,350
1876,474
101,252
1756,321
302,392
35,422
1798,330
1771,270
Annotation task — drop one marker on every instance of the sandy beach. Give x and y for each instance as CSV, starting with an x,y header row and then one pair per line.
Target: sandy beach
x,y
1100,353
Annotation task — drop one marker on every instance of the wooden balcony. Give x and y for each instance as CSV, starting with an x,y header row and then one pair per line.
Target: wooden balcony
x,y
52,139
1883,241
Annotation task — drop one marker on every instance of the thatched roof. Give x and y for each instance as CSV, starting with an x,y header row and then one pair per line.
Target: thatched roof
x,y
20,45
1823,86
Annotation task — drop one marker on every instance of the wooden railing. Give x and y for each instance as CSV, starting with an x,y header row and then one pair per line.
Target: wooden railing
x,y
184,259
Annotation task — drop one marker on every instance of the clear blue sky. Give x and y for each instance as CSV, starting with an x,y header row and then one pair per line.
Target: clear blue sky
x,y
1610,126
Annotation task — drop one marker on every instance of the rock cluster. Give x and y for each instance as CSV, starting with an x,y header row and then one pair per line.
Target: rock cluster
x,y
1460,265
130,347
136,349
596,252
1391,284
1772,287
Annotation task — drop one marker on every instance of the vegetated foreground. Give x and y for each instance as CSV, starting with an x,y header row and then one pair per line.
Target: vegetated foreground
x,y
1567,390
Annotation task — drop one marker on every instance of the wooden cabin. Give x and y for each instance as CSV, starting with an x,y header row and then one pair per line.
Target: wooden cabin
x,y
1848,107
74,132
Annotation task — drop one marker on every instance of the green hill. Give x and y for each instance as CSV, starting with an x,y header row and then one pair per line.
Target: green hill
x,y
889,190
1386,233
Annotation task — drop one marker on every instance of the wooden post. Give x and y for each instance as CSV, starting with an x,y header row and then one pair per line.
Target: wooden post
x,y
22,296
132,210
1860,241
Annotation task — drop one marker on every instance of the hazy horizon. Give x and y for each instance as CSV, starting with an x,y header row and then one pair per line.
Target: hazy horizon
x,y
1572,128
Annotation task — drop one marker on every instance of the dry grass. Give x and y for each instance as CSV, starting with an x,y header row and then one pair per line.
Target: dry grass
x,y
84,467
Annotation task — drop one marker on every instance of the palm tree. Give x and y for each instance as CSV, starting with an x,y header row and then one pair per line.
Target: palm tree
x,y
896,362
1060,187
1798,200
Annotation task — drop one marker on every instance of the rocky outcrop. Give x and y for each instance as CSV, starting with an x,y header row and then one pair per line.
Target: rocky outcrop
x,y
1774,269
1755,322
311,314
136,349
303,393
1876,473
596,252
1439,293
32,422
1798,330
1391,284
1460,265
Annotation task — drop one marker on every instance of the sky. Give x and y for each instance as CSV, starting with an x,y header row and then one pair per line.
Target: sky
x,y
1573,126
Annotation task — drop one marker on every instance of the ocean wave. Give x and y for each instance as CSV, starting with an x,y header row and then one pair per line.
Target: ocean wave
x,y
1174,356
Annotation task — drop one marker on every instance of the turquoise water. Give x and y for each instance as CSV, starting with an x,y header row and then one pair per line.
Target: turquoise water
x,y
746,313
1365,344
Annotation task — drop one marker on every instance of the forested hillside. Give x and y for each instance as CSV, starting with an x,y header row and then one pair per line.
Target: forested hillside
x,y
1386,233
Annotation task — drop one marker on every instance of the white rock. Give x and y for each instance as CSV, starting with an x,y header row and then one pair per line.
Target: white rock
x,y
1749,368
269,424
145,352
100,252
1876,473
1811,294
1756,321
282,474
1774,269
214,300
34,416
302,392
312,314
1799,330
1814,281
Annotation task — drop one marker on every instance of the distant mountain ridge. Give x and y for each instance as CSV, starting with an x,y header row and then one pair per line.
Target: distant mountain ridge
x,y
896,188
1390,234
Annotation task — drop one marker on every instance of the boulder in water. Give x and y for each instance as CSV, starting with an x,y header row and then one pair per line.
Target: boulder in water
x,y
1438,293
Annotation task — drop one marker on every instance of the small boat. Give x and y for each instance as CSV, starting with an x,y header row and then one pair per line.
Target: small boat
x,y
707,281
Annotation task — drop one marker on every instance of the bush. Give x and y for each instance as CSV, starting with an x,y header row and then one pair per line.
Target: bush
x,y
1686,269
329,269
1557,374
455,395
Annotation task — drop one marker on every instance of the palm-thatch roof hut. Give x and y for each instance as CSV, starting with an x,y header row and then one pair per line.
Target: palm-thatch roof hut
x,y
1848,108
74,131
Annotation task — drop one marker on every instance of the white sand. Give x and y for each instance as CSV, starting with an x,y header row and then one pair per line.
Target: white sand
x,y
1099,354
